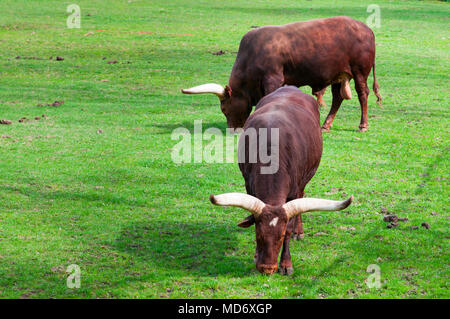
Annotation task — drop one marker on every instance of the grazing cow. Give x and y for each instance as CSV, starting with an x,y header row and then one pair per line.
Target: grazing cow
x,y
275,199
317,53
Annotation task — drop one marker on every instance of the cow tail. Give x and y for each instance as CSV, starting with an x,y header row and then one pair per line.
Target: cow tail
x,y
376,88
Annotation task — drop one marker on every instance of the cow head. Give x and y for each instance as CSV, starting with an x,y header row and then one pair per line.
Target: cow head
x,y
234,106
271,221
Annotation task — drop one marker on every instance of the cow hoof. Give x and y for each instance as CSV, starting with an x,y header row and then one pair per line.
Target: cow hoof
x,y
363,129
298,236
286,270
325,129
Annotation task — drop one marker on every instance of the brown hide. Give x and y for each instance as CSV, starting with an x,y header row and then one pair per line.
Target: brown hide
x,y
317,53
296,115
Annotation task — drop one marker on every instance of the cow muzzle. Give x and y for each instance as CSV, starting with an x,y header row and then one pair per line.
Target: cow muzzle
x,y
267,269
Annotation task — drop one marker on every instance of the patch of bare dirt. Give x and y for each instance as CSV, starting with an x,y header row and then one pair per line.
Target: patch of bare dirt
x,y
393,220
320,234
425,225
56,104
28,58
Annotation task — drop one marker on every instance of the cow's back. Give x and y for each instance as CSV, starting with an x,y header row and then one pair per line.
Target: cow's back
x,y
313,53
297,118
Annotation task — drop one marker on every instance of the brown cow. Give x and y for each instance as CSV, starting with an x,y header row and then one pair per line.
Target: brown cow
x,y
317,53
275,199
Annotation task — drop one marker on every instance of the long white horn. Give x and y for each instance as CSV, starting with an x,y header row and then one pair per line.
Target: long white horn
x,y
245,201
213,88
303,205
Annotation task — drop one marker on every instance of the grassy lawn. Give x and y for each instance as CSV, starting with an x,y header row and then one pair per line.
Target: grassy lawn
x,y
92,183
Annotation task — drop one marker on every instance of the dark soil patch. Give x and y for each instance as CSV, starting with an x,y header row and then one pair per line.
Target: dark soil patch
x,y
220,52
425,225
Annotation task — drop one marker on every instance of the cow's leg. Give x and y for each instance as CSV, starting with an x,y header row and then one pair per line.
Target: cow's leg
x,y
285,267
363,91
298,228
298,224
335,104
319,95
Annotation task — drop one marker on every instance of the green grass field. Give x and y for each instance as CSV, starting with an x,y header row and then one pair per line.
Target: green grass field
x,y
140,226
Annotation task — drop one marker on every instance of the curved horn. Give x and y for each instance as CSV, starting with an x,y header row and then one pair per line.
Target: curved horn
x,y
245,201
303,205
213,88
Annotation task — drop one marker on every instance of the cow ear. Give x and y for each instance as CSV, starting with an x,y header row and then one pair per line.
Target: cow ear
x,y
227,91
250,220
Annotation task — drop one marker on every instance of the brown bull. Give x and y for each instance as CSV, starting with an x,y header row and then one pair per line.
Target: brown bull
x,y
317,53
275,199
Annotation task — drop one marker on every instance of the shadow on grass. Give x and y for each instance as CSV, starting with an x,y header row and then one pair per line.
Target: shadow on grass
x,y
197,249
168,128
88,196
341,129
